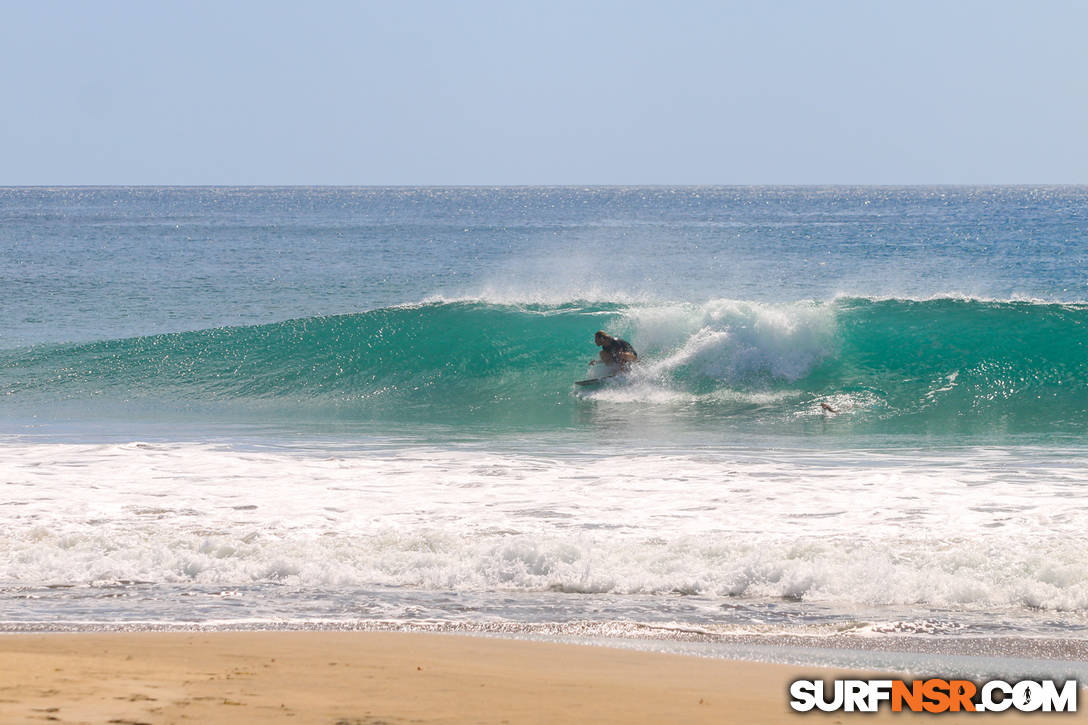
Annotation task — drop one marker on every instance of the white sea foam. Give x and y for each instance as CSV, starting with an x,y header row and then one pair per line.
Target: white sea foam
x,y
973,528
731,339
731,345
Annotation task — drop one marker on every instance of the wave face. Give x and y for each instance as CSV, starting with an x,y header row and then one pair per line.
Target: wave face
x,y
886,365
966,363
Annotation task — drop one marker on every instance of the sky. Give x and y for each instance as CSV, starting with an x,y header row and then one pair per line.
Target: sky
x,y
409,92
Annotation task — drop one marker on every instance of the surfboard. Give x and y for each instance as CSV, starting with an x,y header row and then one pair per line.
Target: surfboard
x,y
595,381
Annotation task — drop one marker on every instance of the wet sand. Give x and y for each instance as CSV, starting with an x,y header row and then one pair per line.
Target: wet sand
x,y
357,678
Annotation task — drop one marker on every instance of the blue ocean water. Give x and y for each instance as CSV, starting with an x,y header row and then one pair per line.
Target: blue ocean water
x,y
857,409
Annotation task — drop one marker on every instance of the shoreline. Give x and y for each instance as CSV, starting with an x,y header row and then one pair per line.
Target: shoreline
x,y
379,677
622,634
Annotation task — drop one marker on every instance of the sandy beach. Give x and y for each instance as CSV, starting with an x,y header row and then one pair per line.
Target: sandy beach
x,y
357,678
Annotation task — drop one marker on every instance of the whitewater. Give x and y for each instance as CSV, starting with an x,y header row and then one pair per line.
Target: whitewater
x,y
859,412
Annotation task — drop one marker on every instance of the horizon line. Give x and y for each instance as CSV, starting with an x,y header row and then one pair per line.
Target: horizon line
x,y
551,186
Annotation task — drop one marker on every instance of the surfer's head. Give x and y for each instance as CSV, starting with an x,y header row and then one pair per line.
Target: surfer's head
x,y
602,337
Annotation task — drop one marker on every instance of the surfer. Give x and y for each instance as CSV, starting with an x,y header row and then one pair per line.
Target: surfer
x,y
614,351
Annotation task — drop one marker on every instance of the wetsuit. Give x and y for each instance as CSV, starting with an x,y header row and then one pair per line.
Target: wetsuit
x,y
615,346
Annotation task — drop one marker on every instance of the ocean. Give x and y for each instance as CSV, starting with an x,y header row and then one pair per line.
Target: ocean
x,y
355,408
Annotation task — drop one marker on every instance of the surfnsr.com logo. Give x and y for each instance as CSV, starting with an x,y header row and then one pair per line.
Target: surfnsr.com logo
x,y
934,695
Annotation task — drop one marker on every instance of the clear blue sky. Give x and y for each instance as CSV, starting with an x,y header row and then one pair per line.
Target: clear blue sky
x,y
544,92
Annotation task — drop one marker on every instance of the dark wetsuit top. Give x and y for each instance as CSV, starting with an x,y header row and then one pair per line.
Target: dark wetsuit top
x,y
615,347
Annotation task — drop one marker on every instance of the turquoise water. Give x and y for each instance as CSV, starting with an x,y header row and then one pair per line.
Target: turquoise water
x,y
941,366
857,409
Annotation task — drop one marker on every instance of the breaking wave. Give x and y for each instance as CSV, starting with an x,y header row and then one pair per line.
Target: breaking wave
x,y
964,365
